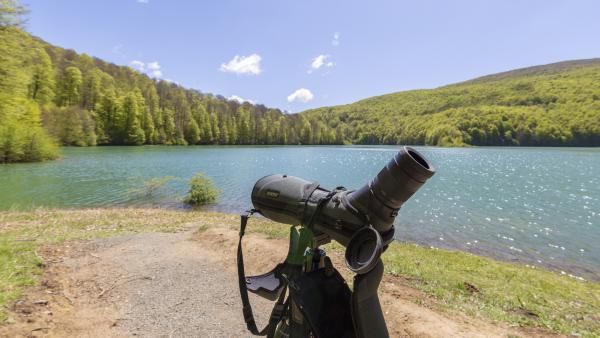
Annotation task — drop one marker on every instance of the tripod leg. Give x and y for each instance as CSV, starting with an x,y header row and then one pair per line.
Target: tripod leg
x,y
366,309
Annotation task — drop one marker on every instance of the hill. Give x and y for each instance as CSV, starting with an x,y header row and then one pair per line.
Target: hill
x,y
51,96
550,105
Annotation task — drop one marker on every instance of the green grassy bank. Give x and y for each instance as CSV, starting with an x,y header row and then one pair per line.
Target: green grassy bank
x,y
455,281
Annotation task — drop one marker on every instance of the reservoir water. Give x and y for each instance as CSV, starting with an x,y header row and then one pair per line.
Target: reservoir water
x,y
537,206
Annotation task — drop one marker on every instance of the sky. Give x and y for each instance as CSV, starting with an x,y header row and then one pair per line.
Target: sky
x,y
296,55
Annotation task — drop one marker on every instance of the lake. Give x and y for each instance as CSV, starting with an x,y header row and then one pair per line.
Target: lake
x,y
538,206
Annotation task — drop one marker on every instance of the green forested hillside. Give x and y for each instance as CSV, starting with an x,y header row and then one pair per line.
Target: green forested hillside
x,y
551,105
50,96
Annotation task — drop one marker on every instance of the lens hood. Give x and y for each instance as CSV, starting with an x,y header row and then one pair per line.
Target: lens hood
x,y
363,250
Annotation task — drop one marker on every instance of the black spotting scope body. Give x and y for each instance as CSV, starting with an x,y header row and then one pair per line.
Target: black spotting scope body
x,y
361,220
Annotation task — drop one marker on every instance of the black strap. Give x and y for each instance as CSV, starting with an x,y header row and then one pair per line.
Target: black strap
x,y
321,203
280,307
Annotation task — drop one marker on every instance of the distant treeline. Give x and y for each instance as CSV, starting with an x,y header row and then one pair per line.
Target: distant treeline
x,y
552,105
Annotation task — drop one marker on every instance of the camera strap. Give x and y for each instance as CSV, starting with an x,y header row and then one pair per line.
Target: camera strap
x,y
280,306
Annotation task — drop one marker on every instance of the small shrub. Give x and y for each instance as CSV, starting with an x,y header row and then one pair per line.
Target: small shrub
x,y
201,191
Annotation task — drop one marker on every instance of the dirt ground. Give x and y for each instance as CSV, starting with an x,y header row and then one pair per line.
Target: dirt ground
x,y
185,285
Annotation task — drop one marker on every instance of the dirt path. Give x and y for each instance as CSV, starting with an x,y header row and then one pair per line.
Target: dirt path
x,y
184,285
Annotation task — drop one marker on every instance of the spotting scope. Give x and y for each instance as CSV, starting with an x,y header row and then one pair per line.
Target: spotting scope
x,y
320,303
361,220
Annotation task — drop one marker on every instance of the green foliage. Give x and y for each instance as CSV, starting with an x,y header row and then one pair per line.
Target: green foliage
x,y
11,13
192,134
553,105
25,86
201,191
22,138
70,85
20,143
133,133
71,126
85,101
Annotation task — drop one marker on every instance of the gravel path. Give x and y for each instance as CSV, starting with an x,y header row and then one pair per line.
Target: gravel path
x,y
165,285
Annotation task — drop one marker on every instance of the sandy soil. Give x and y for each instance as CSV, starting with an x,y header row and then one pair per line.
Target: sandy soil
x,y
185,285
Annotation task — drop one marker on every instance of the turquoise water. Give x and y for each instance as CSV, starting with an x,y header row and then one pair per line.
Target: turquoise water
x,y
539,206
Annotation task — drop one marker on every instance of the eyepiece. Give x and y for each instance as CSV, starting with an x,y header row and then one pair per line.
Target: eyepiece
x,y
381,198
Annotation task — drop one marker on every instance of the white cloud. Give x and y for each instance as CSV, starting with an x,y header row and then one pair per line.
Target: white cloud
x,y
154,69
301,95
319,62
138,65
143,1
336,39
151,69
243,65
239,99
156,73
153,65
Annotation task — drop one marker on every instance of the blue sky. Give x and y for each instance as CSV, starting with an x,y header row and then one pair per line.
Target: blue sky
x,y
296,55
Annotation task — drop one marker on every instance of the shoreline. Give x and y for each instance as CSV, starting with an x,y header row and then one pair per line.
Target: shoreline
x,y
572,271
61,156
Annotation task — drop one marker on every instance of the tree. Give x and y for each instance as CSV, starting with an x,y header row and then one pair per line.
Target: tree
x,y
90,90
153,108
109,120
11,13
232,127
206,134
214,126
169,126
24,140
133,134
41,87
224,131
243,127
146,120
71,126
305,131
192,134
69,90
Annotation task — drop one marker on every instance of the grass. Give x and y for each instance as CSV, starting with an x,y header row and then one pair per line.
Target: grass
x,y
22,233
502,292
453,280
486,288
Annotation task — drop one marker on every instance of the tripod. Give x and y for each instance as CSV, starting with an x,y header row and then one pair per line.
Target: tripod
x,y
312,298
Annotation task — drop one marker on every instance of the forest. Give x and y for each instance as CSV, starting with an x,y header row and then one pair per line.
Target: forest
x,y
51,97
551,105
